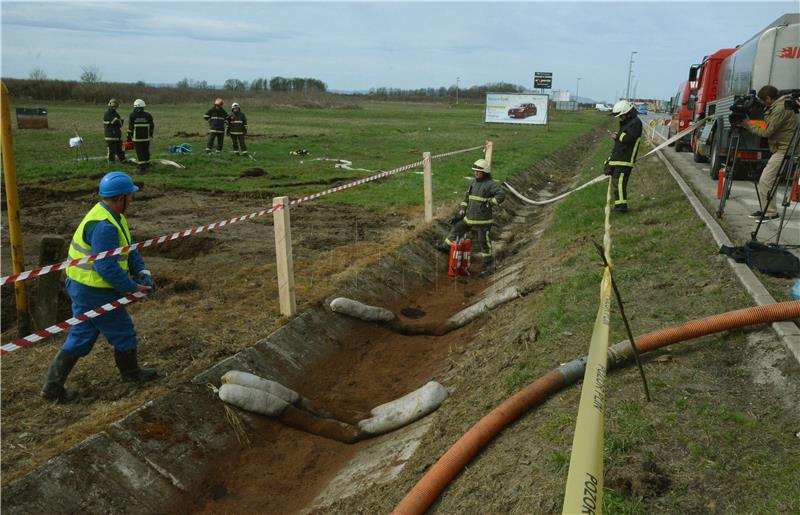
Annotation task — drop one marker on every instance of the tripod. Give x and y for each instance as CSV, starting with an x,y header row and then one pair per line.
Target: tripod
x,y
727,182
788,170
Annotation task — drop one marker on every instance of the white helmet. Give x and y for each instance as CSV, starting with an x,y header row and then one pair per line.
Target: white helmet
x,y
235,105
622,107
480,165
139,103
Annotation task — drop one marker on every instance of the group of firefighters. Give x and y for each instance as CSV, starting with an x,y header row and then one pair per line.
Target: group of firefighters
x,y
141,128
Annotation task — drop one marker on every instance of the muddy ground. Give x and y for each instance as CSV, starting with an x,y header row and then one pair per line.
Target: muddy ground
x,y
216,295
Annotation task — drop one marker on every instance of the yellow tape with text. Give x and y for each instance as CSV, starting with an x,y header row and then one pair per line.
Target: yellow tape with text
x,y
584,493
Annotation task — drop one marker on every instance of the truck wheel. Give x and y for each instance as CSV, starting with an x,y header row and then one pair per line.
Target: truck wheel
x,y
716,159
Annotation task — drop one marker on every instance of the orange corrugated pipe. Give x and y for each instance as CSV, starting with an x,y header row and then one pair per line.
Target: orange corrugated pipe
x,y
431,485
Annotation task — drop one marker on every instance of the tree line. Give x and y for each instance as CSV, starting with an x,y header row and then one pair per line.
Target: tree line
x,y
478,92
282,84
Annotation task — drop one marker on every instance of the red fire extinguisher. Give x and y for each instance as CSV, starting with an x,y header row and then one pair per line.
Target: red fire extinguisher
x,y
459,258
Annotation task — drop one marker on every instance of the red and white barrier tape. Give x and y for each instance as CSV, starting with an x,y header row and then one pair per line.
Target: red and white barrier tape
x,y
30,274
38,336
133,297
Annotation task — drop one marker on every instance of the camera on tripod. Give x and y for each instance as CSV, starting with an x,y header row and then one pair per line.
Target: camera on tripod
x,y
741,107
791,102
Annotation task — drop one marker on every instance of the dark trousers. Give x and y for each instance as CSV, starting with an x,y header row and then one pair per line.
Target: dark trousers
x,y
238,143
482,234
219,136
115,151
142,153
619,184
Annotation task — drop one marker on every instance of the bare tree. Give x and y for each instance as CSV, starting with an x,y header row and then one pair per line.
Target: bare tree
x,y
37,74
90,74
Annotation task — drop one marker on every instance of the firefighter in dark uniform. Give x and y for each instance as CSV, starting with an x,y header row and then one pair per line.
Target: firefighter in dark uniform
x,y
216,117
140,131
476,212
626,145
237,128
112,128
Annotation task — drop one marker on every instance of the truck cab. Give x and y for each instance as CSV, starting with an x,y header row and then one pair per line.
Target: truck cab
x,y
706,78
682,111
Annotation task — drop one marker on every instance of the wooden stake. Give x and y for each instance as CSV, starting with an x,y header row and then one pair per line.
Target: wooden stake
x,y
488,156
14,224
427,185
283,253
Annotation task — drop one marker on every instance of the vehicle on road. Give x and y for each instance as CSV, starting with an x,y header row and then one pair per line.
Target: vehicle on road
x,y
706,77
605,108
522,111
769,57
682,111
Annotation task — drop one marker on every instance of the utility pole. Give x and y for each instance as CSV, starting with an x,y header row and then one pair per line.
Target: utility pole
x,y
630,70
577,88
457,79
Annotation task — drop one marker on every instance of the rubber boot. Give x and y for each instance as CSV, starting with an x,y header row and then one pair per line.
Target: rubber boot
x,y
129,369
487,266
53,389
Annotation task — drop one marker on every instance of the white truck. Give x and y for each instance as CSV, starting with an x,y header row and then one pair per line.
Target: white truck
x,y
770,57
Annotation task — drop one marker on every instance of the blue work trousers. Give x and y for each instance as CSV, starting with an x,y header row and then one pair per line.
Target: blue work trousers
x,y
116,325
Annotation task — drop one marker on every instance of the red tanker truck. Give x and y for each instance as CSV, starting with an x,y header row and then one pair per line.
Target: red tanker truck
x,y
770,57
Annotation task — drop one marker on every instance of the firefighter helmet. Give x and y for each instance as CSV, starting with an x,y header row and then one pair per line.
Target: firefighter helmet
x,y
219,102
235,105
113,103
139,103
480,165
622,107
116,183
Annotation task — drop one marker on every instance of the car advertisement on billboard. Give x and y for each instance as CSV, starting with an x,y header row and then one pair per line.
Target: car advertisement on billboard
x,y
525,109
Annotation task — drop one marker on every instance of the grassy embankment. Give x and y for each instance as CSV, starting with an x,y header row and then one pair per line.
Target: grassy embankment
x,y
717,438
376,135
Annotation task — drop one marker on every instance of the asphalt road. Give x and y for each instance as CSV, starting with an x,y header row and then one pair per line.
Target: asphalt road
x,y
741,203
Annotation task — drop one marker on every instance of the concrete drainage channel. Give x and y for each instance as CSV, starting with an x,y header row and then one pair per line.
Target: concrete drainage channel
x,y
180,453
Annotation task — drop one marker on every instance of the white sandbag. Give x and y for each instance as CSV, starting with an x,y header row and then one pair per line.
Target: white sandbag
x,y
405,410
472,312
252,399
361,311
253,381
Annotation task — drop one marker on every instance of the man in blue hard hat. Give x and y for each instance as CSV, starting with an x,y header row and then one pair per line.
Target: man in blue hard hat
x,y
91,285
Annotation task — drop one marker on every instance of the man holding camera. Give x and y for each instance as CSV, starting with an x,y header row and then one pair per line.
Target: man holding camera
x,y
779,126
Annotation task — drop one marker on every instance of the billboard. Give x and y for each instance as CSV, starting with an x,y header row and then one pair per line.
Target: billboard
x,y
517,108
543,80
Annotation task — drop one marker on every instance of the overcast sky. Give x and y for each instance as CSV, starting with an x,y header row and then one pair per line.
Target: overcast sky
x,y
357,46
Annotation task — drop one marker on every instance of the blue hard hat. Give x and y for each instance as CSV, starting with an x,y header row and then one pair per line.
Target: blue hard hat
x,y
116,183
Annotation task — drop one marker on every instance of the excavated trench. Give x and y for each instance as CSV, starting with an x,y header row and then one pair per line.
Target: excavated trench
x,y
179,453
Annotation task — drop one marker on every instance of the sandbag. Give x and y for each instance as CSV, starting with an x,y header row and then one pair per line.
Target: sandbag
x,y
253,381
405,410
252,399
361,311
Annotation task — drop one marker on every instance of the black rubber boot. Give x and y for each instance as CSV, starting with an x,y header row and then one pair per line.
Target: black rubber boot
x,y
53,389
487,266
129,370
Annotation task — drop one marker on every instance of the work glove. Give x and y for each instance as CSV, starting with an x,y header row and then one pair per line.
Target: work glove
x,y
462,212
145,278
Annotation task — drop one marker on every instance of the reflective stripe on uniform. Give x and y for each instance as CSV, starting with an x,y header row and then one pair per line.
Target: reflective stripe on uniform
x,y
85,273
478,222
633,156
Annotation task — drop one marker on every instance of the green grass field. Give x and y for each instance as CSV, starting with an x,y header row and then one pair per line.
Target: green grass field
x,y
375,136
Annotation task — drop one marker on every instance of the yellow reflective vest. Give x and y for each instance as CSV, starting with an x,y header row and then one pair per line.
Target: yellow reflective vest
x,y
85,273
